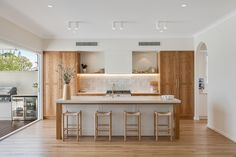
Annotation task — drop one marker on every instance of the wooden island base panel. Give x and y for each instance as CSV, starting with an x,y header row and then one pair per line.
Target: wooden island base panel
x,y
145,103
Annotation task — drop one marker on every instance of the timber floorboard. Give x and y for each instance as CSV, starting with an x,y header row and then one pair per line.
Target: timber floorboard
x,y
195,140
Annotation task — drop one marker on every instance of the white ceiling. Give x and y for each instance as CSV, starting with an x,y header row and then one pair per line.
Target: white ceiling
x,y
97,16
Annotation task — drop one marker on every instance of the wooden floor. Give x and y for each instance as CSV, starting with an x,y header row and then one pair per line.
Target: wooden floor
x,y
8,126
39,140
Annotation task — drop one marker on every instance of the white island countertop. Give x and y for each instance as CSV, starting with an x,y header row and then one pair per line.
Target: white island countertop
x,y
117,100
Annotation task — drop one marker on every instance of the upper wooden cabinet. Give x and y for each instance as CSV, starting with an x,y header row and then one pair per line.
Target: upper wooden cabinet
x,y
52,81
177,78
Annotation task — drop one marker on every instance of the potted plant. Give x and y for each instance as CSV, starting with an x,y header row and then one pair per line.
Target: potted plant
x,y
84,66
67,73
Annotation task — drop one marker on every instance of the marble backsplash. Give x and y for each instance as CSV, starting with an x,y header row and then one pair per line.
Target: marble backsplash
x,y
102,83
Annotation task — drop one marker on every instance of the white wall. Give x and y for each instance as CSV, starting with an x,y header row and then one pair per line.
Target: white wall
x,y
118,52
18,36
119,44
220,41
20,79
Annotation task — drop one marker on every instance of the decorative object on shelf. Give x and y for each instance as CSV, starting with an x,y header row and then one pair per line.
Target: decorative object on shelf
x,y
154,86
35,87
100,71
147,71
67,74
151,70
84,67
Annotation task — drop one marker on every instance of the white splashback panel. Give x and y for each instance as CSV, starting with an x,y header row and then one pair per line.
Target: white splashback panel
x,y
101,83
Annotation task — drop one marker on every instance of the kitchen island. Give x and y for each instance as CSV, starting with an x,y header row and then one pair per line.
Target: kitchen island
x,y
117,104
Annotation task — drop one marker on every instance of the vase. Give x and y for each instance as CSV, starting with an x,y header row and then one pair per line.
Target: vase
x,y
66,92
84,70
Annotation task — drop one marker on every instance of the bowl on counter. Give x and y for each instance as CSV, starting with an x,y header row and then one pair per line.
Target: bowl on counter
x,y
167,97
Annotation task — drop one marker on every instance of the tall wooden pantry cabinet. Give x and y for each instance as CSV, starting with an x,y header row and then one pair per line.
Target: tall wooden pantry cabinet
x,y
177,78
52,81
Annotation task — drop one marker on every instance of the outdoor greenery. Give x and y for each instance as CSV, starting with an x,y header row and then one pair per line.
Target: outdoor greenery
x,y
9,61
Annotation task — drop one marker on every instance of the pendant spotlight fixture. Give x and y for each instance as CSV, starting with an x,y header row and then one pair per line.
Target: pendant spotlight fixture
x,y
164,26
73,25
76,25
161,26
69,25
113,25
121,25
118,25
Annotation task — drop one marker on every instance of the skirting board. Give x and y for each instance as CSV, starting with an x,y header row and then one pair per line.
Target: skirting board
x,y
222,133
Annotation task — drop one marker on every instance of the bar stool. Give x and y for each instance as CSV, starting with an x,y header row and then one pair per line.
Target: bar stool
x,y
103,127
132,127
157,125
66,127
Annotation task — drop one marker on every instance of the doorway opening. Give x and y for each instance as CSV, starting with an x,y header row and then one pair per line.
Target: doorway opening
x,y
202,82
20,84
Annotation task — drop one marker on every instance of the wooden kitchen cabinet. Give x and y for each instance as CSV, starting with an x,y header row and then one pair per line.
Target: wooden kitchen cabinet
x,y
177,78
52,81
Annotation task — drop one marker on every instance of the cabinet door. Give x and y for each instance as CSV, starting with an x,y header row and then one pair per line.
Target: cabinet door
x,y
177,78
52,83
186,83
168,75
71,59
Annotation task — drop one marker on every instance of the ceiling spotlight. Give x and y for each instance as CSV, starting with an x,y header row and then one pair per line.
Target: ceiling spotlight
x,y
118,25
73,26
50,5
158,26
69,25
184,5
164,26
113,25
76,25
161,26
121,25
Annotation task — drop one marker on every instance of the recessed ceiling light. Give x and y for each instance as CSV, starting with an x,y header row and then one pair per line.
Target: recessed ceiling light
x,y
50,6
184,5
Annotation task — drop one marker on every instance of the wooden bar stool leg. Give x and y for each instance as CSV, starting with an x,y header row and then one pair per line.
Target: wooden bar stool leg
x,y
139,127
170,127
77,126
63,128
80,123
157,131
110,127
67,126
125,124
154,124
95,127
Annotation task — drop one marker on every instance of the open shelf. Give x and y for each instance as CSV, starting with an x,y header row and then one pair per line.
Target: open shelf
x,y
94,61
144,62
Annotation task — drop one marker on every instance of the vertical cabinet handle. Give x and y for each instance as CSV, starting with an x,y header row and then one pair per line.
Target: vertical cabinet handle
x,y
176,83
